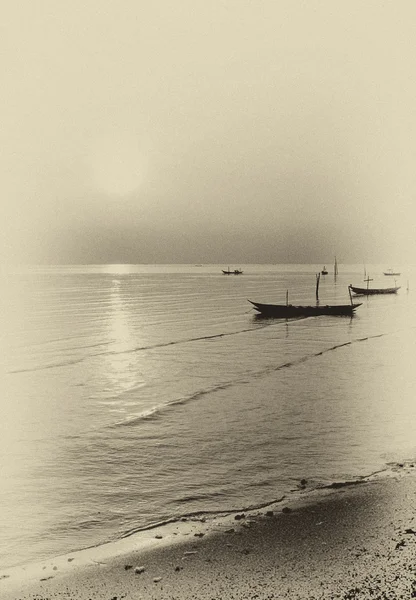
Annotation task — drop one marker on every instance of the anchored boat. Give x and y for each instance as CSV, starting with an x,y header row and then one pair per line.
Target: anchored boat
x,y
367,291
286,311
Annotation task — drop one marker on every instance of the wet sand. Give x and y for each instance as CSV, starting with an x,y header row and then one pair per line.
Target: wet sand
x,y
350,542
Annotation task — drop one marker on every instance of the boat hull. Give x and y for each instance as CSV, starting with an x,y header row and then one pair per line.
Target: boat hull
x,y
285,311
373,291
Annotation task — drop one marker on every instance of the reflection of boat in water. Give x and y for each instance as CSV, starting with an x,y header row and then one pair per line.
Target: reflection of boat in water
x,y
391,273
324,271
285,311
233,272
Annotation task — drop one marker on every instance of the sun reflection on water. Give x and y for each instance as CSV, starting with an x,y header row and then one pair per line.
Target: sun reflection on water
x,y
121,369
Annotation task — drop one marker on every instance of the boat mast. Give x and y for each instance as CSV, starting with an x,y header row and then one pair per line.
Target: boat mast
x,y
349,290
318,277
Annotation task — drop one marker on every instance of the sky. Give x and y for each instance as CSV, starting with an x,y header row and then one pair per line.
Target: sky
x,y
195,131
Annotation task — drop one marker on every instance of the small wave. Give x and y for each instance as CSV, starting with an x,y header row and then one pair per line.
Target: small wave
x,y
341,484
335,485
66,363
153,412
200,514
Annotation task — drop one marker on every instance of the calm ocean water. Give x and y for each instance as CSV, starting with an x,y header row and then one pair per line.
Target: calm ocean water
x,y
135,394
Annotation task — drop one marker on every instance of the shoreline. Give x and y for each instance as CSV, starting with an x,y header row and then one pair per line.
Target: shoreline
x,y
288,545
306,491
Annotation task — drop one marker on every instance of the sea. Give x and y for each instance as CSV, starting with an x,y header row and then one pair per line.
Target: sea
x,y
132,395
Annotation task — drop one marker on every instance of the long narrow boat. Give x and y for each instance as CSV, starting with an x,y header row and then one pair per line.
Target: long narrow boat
x,y
285,311
372,291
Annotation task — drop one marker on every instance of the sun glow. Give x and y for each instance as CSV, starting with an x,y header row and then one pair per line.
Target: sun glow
x,y
117,164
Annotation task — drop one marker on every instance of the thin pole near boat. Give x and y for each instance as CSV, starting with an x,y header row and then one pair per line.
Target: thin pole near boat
x,y
318,277
368,280
287,297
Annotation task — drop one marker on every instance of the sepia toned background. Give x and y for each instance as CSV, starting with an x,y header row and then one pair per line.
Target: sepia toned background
x,y
193,131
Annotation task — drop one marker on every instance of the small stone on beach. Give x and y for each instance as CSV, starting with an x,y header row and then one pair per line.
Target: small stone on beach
x,y
286,509
139,570
157,579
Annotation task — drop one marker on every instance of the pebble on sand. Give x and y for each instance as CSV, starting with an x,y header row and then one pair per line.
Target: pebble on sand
x,y
139,570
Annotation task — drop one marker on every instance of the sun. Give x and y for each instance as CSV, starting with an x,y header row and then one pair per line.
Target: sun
x,y
117,164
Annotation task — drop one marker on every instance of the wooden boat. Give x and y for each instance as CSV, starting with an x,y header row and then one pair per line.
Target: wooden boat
x,y
371,291
234,272
285,311
391,273
324,271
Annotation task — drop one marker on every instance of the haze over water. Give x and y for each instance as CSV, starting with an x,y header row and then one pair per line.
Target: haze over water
x,y
132,394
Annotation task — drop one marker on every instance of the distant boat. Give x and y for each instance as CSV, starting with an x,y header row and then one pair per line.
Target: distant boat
x,y
372,291
391,272
233,272
324,271
285,311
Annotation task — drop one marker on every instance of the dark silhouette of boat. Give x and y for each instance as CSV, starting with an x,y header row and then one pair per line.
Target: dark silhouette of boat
x,y
285,311
372,291
233,272
367,291
324,271
390,272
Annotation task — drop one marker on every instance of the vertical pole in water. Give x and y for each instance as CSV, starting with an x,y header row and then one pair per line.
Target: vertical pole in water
x,y
287,297
349,289
318,277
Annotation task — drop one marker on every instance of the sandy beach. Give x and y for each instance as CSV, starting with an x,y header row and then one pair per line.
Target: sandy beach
x,y
348,541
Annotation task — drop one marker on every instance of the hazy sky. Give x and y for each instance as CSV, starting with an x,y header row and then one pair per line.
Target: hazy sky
x,y
231,131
